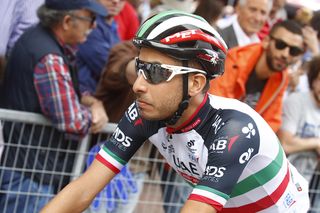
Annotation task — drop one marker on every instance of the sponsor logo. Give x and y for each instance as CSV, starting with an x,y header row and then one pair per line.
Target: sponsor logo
x,y
179,35
165,147
288,200
193,158
189,178
132,115
249,130
213,58
170,149
190,167
245,156
211,179
217,124
232,141
190,144
119,136
299,188
218,146
215,171
191,126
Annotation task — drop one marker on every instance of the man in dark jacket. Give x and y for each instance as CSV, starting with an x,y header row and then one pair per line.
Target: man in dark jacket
x,y
40,77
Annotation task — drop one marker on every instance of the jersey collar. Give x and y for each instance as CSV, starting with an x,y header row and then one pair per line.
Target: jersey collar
x,y
194,120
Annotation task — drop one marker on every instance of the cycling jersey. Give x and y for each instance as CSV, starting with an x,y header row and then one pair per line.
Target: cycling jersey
x,y
225,150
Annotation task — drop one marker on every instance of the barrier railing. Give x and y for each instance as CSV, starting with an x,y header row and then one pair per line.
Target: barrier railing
x,y
157,188
26,132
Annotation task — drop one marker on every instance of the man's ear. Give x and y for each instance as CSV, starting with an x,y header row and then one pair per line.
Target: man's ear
x,y
197,82
266,41
66,22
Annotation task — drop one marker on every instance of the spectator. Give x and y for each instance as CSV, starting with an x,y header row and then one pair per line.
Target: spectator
x,y
251,16
17,16
256,73
41,77
93,54
128,22
299,132
277,14
210,10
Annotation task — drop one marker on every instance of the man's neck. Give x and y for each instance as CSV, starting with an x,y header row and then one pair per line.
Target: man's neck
x,y
194,104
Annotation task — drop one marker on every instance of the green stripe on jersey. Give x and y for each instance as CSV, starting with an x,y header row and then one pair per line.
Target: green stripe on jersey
x,y
114,156
154,19
261,177
205,188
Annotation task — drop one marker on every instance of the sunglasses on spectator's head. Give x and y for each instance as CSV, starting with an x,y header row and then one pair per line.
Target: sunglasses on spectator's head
x,y
156,73
280,45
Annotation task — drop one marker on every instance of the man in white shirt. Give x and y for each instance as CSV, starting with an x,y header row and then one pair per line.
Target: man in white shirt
x,y
251,16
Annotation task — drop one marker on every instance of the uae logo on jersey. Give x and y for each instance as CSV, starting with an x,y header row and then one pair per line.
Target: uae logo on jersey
x,y
249,130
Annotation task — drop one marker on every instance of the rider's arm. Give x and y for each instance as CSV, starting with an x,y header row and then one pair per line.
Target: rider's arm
x,y
192,206
78,194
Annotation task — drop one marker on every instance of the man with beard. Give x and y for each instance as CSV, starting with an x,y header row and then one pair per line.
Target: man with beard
x,y
220,146
257,74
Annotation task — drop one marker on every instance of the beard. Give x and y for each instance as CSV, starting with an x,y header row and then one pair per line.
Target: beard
x,y
271,64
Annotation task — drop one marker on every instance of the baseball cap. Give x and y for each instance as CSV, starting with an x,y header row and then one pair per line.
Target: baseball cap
x,y
91,5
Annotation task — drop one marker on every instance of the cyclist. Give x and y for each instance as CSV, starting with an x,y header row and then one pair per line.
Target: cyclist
x,y
221,146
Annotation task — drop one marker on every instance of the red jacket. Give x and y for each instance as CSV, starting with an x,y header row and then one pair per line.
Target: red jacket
x,y
240,62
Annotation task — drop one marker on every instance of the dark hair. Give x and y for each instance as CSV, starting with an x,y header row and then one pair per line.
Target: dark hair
x,y
315,22
313,69
49,17
210,10
290,25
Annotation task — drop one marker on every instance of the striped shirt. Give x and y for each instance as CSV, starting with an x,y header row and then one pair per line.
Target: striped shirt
x,y
57,96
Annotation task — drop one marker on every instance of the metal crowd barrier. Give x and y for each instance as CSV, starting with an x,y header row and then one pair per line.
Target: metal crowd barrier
x,y
146,163
160,189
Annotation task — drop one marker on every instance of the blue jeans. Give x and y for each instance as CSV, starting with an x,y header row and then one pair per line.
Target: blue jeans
x,y
21,194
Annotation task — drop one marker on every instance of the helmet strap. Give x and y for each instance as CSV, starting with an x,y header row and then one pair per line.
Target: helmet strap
x,y
185,99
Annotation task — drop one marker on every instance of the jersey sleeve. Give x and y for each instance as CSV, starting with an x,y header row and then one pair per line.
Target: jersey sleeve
x,y
127,138
231,144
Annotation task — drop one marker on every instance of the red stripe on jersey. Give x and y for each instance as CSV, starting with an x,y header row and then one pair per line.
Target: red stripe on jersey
x,y
107,164
265,202
202,199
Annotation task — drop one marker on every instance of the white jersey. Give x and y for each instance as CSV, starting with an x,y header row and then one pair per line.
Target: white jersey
x,y
225,150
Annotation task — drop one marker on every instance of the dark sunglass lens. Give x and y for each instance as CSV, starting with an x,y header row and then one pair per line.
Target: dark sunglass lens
x,y
156,75
295,51
280,44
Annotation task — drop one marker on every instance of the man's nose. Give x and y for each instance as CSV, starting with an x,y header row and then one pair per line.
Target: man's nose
x,y
139,85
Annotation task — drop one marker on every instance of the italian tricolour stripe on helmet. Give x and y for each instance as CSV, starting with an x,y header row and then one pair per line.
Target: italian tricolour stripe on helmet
x,y
174,21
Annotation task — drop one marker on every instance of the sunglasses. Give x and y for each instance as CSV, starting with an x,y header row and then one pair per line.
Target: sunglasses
x,y
91,19
280,45
156,73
